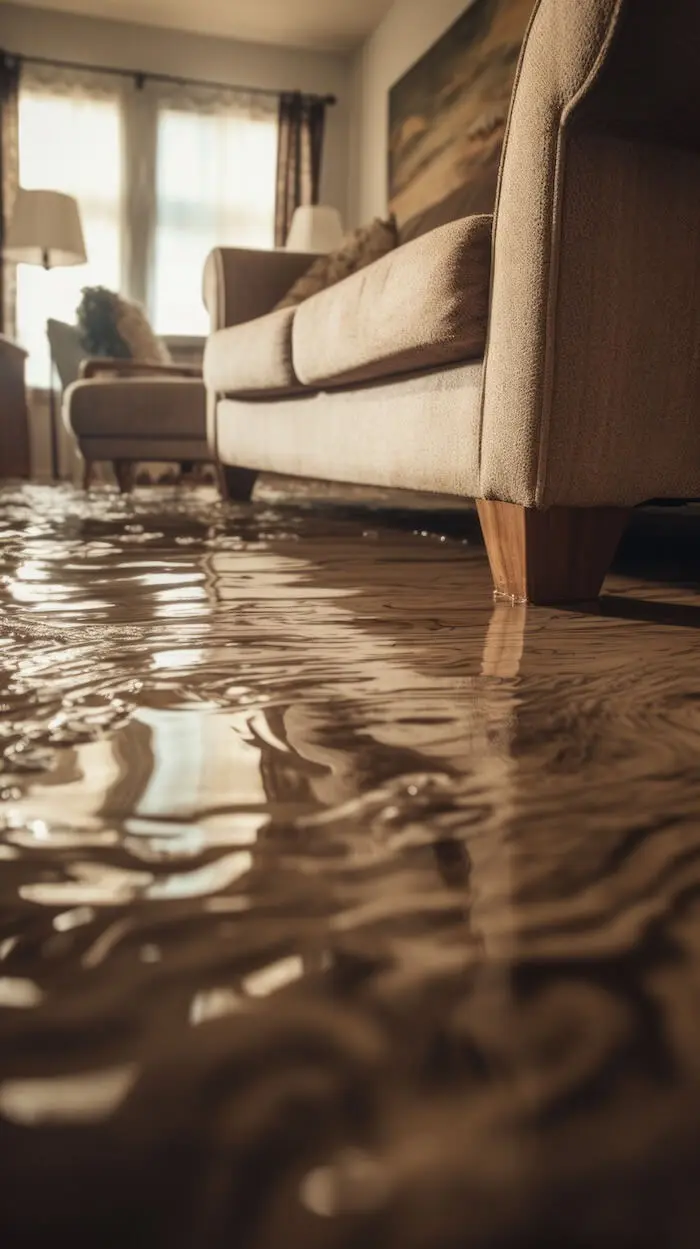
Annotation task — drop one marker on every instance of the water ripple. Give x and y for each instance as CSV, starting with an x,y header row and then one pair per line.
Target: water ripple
x,y
338,906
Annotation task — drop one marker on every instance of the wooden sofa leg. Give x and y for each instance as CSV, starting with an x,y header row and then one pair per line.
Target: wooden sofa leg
x,y
236,483
124,473
560,555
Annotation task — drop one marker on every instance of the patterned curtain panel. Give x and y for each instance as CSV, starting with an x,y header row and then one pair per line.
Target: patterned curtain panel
x,y
9,173
302,121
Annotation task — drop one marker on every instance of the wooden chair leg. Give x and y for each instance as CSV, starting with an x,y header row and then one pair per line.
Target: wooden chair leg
x,y
124,473
236,483
87,473
560,555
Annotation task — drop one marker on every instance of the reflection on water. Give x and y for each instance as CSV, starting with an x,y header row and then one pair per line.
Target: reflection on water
x,y
337,905
85,1098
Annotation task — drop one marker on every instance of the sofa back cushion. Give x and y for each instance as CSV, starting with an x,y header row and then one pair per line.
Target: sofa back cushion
x,y
422,307
254,357
67,350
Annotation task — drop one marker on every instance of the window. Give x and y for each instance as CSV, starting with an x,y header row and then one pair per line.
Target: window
x,y
72,143
215,186
162,174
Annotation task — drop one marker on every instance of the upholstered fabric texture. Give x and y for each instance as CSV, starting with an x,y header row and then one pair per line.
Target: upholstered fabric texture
x,y
359,249
144,451
419,433
592,376
421,306
131,408
241,284
255,356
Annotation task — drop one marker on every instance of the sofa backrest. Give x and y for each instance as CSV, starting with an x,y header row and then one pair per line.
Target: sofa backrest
x,y
240,283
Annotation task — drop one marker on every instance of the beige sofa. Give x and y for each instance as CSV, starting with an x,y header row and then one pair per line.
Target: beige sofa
x,y
553,376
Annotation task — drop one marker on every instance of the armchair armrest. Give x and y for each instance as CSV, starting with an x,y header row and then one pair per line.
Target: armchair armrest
x,y
135,368
241,283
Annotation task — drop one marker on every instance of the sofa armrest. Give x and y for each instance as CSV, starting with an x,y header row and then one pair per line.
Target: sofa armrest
x,y
241,283
558,62
591,381
135,368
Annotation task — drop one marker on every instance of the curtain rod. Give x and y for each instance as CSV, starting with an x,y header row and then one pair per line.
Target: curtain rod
x,y
141,76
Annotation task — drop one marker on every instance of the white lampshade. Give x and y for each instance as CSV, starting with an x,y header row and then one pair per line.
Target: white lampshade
x,y
315,228
45,230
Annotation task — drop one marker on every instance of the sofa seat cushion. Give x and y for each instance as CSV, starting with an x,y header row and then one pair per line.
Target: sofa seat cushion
x,y
420,307
255,357
136,407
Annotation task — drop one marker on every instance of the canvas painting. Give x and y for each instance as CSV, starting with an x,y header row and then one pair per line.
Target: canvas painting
x,y
447,118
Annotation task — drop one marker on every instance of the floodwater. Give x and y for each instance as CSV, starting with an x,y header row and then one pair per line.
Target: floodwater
x,y
338,905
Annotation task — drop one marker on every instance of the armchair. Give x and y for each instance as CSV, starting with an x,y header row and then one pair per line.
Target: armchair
x,y
125,410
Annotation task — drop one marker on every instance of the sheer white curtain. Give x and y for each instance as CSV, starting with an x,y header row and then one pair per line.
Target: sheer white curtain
x,y
70,139
162,174
214,186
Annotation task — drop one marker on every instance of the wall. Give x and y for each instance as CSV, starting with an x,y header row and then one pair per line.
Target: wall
x,y
408,30
122,45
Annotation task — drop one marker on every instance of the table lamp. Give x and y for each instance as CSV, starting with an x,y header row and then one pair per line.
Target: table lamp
x,y
45,229
315,228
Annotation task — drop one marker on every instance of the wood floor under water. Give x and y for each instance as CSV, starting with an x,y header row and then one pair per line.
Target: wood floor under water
x,y
340,906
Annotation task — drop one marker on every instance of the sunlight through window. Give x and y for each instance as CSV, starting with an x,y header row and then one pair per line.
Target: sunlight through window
x,y
215,187
161,174
71,144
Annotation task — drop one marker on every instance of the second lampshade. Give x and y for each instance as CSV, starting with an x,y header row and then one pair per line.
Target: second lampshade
x,y
315,228
45,230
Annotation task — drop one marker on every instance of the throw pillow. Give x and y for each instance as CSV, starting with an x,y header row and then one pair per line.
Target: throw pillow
x,y
66,349
115,327
359,249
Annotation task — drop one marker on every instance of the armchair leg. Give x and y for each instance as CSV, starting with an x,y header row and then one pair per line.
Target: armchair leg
x,y
556,556
236,483
124,473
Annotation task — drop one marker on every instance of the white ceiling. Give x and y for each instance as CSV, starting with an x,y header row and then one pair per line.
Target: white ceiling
x,y
334,25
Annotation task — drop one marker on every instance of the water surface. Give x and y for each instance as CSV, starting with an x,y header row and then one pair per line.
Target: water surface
x,y
338,906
